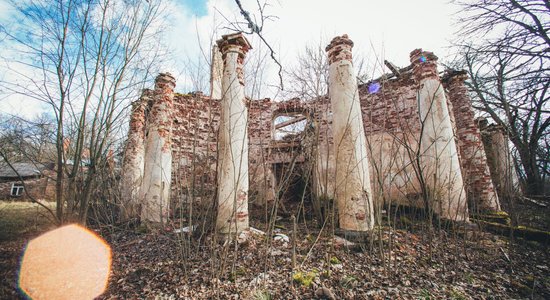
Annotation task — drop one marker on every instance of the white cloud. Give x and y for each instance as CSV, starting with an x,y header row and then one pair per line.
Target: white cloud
x,y
380,29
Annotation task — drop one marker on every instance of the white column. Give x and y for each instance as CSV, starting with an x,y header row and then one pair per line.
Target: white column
x,y
233,139
353,190
216,73
157,173
439,156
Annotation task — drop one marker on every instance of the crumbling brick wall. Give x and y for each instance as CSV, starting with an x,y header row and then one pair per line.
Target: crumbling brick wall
x,y
260,122
194,145
479,186
392,126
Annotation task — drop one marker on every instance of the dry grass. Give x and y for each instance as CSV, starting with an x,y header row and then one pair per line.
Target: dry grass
x,y
22,219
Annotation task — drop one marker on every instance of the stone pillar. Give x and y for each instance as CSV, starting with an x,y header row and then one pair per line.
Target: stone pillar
x,y
157,175
216,73
353,191
499,159
479,186
438,152
233,139
134,154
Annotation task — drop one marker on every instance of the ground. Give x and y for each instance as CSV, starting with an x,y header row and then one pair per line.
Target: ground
x,y
415,261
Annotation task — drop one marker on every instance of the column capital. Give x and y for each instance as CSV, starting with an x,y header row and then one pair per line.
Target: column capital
x,y
424,64
165,80
235,42
339,49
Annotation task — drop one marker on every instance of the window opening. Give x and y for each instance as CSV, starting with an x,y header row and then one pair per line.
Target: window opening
x,y
17,189
289,127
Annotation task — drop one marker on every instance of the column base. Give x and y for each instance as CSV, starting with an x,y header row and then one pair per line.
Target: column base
x,y
354,236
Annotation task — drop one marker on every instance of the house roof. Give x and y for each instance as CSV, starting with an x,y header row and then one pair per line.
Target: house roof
x,y
23,169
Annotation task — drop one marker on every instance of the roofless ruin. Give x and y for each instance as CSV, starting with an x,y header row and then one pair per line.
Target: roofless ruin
x,y
409,138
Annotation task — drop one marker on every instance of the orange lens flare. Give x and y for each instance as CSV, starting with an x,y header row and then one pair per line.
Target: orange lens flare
x,y
70,262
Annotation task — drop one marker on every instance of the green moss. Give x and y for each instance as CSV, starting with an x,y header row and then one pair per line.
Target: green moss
x,y
500,217
520,231
425,295
305,279
335,261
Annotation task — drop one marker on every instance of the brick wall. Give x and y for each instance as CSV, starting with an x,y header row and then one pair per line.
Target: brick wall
x,y
194,145
392,126
479,186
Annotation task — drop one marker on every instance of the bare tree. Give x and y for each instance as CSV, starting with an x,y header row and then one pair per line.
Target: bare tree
x,y
27,140
309,78
506,51
86,60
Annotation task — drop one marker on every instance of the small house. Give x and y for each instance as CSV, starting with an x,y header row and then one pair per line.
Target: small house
x,y
24,179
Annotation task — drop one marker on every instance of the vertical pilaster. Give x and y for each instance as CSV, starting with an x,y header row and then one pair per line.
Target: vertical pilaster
x,y
157,175
233,139
216,73
499,159
480,191
353,191
322,154
440,167
134,155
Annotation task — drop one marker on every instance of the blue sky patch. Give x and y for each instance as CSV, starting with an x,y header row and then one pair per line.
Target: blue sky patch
x,y
197,7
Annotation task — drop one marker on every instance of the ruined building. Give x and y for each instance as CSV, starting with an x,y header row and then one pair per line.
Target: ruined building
x,y
408,138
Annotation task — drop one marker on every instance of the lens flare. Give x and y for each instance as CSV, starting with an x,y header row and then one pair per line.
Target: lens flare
x,y
374,87
70,262
423,58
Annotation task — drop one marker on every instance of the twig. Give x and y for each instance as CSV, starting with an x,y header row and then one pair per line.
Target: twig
x,y
254,28
294,229
505,255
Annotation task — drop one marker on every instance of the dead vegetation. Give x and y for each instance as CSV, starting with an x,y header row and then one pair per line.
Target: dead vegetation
x,y
409,260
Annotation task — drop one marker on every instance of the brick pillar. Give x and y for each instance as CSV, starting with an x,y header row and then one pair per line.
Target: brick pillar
x,y
157,174
134,154
439,156
216,73
353,190
499,159
233,139
479,186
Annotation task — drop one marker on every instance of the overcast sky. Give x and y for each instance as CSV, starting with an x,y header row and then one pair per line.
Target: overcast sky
x,y
380,29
